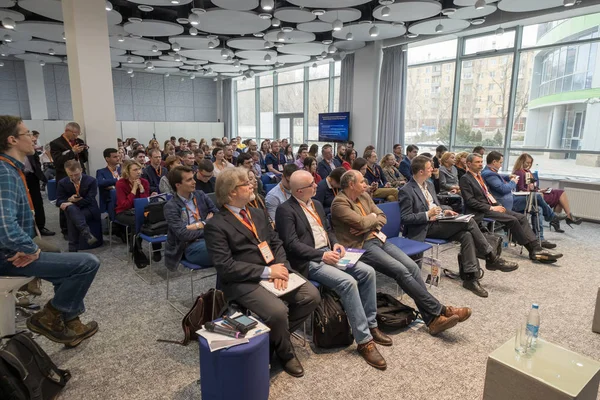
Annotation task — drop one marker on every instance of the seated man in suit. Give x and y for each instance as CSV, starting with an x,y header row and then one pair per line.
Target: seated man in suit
x,y
411,152
107,177
328,188
186,214
502,188
328,163
76,196
358,222
420,207
375,177
313,251
479,201
204,178
280,193
153,172
244,250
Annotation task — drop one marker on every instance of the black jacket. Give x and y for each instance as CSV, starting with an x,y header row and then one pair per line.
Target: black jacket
x,y
61,153
475,201
324,195
36,166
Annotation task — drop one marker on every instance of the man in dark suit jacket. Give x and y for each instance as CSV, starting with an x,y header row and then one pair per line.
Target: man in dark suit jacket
x,y
107,177
245,250
313,250
33,176
420,207
76,196
153,172
411,152
186,214
328,163
328,188
479,201
67,147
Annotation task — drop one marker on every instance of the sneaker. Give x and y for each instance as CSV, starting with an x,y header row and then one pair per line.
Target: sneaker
x,y
83,331
50,323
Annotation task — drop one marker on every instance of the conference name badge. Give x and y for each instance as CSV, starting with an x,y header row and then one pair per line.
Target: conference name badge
x,y
280,167
380,235
266,252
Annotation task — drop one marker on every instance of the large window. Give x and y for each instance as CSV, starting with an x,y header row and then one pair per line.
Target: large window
x,y
287,92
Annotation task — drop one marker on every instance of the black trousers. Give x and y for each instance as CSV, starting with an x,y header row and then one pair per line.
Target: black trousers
x,y
33,183
518,225
77,224
470,237
282,319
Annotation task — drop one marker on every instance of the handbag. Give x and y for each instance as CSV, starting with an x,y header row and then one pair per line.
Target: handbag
x,y
201,312
392,314
27,372
330,327
155,223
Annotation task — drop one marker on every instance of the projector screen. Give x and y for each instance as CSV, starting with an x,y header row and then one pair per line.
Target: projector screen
x,y
334,127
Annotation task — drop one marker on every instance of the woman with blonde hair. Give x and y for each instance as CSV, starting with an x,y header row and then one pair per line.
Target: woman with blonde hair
x,y
556,198
448,174
171,162
460,162
390,172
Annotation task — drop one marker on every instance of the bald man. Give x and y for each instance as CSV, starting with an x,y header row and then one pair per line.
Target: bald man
x,y
312,250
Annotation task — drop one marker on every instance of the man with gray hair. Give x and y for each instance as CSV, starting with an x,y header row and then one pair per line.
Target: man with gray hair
x,y
245,250
313,251
358,222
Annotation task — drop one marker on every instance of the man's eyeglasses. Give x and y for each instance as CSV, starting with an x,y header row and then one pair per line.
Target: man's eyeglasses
x,y
206,175
247,183
307,186
28,134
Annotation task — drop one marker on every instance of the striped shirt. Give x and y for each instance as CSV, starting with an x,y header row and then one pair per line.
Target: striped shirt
x,y
16,219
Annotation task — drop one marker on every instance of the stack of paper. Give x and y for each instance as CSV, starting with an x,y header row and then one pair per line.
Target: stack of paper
x,y
294,282
350,258
217,341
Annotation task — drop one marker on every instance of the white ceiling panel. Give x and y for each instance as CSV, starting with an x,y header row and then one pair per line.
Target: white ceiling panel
x,y
239,5
15,15
315,26
291,37
255,54
291,59
294,15
40,46
246,43
137,44
147,53
327,3
17,36
164,3
226,68
349,45
427,27
360,31
152,28
343,14
409,10
230,22
303,49
472,12
529,5
194,42
52,31
123,59
37,57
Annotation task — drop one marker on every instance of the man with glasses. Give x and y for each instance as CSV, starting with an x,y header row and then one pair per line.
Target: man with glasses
x,y
70,273
280,193
245,250
67,147
204,178
154,172
312,249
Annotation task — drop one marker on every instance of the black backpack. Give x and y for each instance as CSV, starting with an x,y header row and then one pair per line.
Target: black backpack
x,y
392,314
330,324
155,223
27,372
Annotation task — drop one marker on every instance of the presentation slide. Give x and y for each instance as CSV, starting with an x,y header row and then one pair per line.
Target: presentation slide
x,y
334,127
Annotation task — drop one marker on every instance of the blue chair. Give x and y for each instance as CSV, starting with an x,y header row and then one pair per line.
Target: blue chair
x,y
112,220
190,267
392,231
269,186
51,189
139,206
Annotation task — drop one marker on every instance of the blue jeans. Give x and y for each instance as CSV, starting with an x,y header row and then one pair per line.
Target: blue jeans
x,y
391,261
196,253
71,274
357,291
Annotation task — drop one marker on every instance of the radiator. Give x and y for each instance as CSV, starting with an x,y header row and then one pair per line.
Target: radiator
x,y
584,203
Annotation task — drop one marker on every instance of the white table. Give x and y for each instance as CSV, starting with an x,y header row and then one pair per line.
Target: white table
x,y
596,322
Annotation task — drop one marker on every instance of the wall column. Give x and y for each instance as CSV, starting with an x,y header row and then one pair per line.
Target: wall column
x,y
90,76
36,90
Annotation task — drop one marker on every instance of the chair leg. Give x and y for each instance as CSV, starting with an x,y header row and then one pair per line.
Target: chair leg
x,y
109,234
192,285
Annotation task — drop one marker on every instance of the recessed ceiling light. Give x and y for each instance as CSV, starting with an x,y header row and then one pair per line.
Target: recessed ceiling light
x,y
259,34
145,8
569,3
8,23
412,35
265,16
198,10
194,19
174,1
108,6
51,52
134,19
287,29
318,12
386,2
477,21
7,38
182,21
267,5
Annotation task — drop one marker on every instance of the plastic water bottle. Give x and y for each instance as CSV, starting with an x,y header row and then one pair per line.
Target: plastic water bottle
x,y
505,241
533,323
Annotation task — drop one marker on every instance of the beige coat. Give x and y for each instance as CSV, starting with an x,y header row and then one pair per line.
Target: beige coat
x,y
345,215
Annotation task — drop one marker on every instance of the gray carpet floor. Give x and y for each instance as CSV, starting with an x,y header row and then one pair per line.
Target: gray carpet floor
x,y
124,360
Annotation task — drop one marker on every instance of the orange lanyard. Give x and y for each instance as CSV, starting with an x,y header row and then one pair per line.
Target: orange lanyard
x,y
283,191
362,210
159,170
68,141
22,175
77,186
115,173
251,227
196,214
313,213
376,175
256,201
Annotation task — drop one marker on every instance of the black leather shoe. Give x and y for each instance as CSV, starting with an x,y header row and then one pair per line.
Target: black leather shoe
x,y
293,367
475,287
544,255
548,245
500,264
46,232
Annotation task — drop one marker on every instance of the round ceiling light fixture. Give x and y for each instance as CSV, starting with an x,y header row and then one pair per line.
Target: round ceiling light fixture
x,y
385,11
64,36
167,75
480,4
324,54
129,60
42,63
209,70
193,77
224,53
267,57
7,38
236,63
318,12
386,2
277,44
194,19
331,49
8,23
349,36
129,71
499,31
216,78
477,21
175,1
267,5
287,29
154,48
1,64
131,75
439,28
314,65
569,3
275,22
281,37
211,45
175,46
412,35
149,65
374,31
145,8
193,31
120,38
337,25
259,34
51,52
265,16
108,6
177,57
448,11
268,45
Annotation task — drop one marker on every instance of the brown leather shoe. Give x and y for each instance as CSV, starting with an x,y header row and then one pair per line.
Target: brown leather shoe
x,y
463,313
83,331
49,322
380,337
371,355
441,323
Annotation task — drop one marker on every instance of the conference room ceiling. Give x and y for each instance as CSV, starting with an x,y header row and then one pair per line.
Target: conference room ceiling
x,y
235,37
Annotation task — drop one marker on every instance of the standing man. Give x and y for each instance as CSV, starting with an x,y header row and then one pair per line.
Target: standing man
x,y
313,251
71,274
76,196
154,172
328,163
33,176
411,152
107,177
67,147
245,250
186,214
420,209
